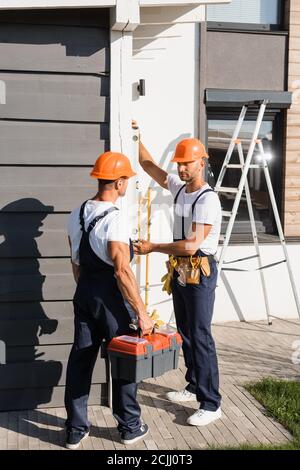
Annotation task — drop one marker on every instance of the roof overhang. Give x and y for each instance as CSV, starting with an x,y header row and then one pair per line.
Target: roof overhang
x,y
125,13
236,98
23,4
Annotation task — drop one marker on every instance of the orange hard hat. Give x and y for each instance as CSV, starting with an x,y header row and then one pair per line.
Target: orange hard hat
x,y
111,166
189,150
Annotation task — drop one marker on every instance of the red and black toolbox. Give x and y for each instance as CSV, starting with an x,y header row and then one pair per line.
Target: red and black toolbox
x,y
135,359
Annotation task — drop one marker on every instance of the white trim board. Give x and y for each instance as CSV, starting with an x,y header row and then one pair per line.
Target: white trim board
x,y
173,14
32,4
168,3
24,4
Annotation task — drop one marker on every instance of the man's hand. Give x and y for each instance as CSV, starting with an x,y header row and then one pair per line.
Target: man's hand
x,y
146,324
143,247
119,254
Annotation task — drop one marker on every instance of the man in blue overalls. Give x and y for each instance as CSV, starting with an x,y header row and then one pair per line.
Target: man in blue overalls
x,y
197,224
106,300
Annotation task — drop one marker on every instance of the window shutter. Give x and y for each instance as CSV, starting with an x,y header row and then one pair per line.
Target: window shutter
x,y
245,11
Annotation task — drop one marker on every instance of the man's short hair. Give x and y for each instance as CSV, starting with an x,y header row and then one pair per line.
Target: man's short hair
x,y
104,182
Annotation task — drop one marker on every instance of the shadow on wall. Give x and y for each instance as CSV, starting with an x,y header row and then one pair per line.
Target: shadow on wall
x,y
26,380
145,35
38,28
160,197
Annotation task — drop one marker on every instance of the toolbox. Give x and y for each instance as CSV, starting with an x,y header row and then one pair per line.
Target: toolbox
x,y
134,359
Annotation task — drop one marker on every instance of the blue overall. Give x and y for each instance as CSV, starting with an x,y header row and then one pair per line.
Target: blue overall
x,y
100,313
193,307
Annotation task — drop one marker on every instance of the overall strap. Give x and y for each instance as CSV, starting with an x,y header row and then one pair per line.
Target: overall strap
x,y
99,217
81,219
208,190
180,189
175,201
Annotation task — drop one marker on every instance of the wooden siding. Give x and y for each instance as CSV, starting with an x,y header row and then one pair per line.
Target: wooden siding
x,y
45,397
55,122
59,189
61,143
19,243
292,172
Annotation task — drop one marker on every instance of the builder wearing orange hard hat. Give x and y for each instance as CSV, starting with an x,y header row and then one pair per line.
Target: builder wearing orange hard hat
x,y
106,300
192,271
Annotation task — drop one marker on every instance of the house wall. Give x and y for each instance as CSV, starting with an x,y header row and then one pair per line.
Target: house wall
x,y
167,57
172,84
55,120
292,173
239,294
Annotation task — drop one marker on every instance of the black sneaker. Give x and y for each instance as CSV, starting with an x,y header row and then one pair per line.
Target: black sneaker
x,y
132,437
74,438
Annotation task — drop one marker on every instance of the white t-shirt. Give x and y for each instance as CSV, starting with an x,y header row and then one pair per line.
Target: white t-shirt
x,y
113,227
207,211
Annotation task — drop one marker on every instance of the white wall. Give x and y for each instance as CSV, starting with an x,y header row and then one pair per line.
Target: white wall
x,y
167,58
246,301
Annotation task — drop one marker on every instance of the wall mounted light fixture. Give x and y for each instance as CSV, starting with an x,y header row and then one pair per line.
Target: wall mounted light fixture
x,y
141,87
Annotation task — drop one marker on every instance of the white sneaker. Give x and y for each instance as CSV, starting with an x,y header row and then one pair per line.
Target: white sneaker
x,y
204,417
181,395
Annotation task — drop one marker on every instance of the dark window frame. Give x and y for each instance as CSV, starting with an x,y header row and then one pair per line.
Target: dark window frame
x,y
277,116
251,27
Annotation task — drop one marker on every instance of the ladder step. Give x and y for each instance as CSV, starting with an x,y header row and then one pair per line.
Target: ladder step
x,y
238,165
223,189
226,213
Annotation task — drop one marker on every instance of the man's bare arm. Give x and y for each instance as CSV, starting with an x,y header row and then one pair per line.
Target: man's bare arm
x,y
150,167
148,164
76,271
75,267
186,247
120,256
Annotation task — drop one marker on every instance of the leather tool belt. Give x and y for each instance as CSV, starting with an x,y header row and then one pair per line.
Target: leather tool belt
x,y
188,268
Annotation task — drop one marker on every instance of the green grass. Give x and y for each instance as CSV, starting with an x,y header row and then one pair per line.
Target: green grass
x,y
282,401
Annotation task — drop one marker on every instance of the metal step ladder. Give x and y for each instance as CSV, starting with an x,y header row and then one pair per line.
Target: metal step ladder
x,y
243,186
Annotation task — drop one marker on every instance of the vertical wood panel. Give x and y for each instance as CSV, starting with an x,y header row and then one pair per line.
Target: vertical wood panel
x,y
292,171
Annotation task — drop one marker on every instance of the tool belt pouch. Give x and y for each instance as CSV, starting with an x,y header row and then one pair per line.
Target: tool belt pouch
x,y
189,271
205,266
193,276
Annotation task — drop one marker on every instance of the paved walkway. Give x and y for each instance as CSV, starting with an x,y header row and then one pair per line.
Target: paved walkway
x,y
247,351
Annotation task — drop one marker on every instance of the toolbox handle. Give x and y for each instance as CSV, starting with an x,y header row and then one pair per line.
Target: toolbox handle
x,y
134,325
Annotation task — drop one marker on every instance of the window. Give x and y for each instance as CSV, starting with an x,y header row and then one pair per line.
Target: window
x,y
266,13
220,130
